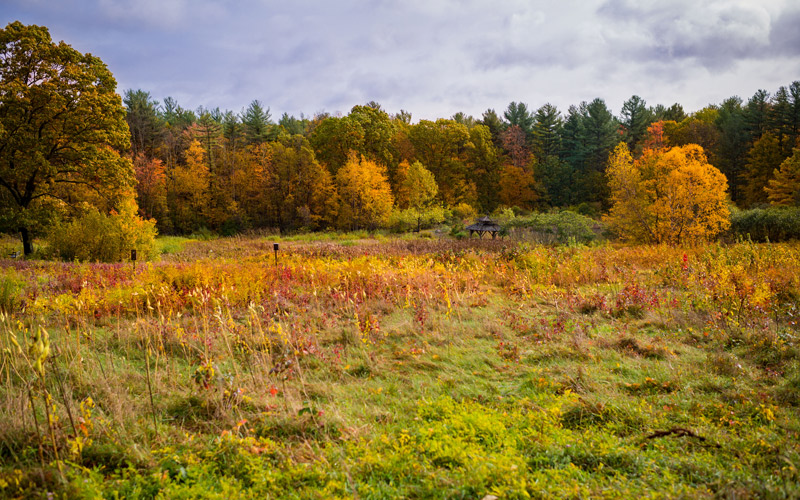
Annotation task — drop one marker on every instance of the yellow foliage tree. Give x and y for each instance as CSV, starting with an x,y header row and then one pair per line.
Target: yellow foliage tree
x,y
420,186
667,196
190,183
763,159
366,197
783,189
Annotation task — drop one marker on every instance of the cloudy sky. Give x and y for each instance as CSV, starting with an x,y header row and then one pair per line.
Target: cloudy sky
x,y
431,57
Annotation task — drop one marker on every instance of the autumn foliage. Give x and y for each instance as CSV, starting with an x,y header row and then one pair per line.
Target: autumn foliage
x,y
365,193
784,188
666,196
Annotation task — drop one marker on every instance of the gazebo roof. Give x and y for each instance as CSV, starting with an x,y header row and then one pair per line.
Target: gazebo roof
x,y
484,224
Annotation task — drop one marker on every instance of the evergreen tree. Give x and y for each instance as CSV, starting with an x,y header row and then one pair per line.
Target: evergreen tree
x,y
257,123
518,114
547,131
142,115
756,114
732,146
635,120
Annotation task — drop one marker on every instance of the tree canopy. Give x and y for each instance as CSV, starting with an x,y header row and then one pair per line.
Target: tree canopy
x,y
667,196
62,128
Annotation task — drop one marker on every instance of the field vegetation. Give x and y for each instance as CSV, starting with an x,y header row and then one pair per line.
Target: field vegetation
x,y
403,367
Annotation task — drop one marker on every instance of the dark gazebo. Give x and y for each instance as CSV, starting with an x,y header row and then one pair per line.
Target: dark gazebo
x,y
484,225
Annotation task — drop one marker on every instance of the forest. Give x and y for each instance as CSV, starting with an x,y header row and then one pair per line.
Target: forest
x,y
228,171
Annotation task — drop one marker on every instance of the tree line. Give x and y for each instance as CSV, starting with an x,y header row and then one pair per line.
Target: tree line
x,y
230,171
75,154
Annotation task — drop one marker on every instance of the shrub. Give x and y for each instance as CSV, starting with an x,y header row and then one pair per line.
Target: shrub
x,y
557,227
11,286
773,224
406,220
94,236
464,212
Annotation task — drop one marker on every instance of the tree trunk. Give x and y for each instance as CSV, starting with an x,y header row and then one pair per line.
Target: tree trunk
x,y
27,243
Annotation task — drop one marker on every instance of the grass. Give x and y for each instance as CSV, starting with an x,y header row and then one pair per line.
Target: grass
x,y
171,244
411,368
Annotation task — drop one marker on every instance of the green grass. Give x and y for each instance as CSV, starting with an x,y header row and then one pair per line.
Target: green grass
x,y
401,374
166,245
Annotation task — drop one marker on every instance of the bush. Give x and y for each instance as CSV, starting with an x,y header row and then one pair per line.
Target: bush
x,y
770,224
464,212
11,287
402,221
557,227
93,236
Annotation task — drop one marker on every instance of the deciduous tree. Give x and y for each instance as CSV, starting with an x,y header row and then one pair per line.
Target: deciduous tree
x,y
517,187
784,188
151,189
762,160
366,198
666,196
189,190
62,125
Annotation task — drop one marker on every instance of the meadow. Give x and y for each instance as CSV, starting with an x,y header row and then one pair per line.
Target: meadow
x,y
403,368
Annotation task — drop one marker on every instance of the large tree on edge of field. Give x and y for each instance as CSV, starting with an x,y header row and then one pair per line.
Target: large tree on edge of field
x,y
669,195
62,127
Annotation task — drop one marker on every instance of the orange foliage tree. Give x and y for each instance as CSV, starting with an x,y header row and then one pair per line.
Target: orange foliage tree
x,y
667,196
151,187
517,187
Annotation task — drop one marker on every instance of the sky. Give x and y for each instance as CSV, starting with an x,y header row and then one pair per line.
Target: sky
x,y
432,58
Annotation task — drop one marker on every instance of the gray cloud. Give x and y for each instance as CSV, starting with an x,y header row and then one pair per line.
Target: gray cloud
x,y
715,34
431,57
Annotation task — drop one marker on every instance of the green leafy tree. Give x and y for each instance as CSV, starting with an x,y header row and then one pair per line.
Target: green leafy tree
x,y
464,119
483,167
556,178
378,132
62,127
589,133
292,125
697,129
334,138
794,112
419,187
442,146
